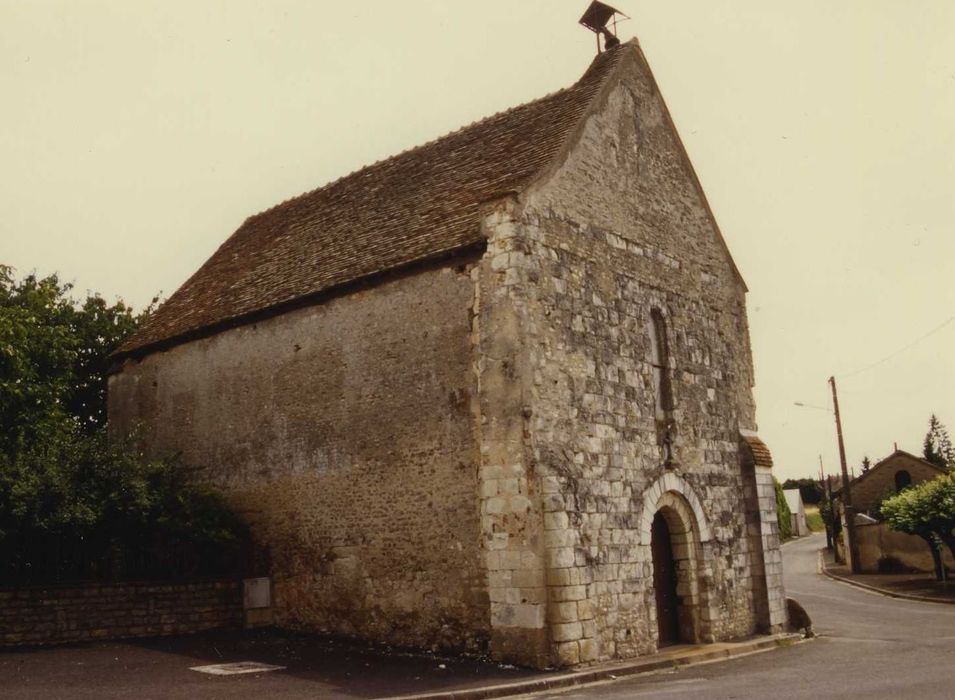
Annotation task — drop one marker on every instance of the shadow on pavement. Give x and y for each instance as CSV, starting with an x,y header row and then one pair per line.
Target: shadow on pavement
x,y
315,667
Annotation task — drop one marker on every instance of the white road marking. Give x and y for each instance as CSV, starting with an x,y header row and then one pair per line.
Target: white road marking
x,y
236,668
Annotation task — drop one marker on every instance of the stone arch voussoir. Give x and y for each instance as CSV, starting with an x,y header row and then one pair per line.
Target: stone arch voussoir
x,y
690,534
670,490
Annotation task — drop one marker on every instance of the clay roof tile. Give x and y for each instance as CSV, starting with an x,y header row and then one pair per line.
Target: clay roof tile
x,y
415,206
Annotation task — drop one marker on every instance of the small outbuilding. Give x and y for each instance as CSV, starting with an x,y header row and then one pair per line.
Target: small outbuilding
x,y
797,509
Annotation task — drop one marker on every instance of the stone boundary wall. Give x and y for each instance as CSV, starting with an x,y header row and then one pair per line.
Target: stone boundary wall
x,y
61,614
877,541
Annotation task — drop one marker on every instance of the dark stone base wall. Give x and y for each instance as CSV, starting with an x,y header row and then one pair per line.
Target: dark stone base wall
x,y
62,614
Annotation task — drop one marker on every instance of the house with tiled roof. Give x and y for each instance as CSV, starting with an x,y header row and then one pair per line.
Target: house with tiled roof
x,y
493,394
887,477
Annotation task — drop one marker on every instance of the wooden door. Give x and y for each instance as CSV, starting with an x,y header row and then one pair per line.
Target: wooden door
x,y
664,582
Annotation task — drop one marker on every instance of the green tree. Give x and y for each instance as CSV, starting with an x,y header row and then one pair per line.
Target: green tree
x,y
866,464
783,515
37,352
54,356
928,511
831,519
937,445
73,504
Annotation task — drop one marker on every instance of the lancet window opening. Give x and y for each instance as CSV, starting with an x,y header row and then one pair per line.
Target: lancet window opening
x,y
663,391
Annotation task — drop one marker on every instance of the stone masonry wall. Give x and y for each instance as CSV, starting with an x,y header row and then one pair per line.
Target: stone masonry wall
x,y
76,613
882,549
512,521
345,434
869,491
618,230
772,570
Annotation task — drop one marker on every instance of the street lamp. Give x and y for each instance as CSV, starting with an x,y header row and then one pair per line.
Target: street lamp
x,y
809,405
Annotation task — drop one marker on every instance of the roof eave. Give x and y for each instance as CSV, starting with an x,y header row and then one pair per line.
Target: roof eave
x,y
441,259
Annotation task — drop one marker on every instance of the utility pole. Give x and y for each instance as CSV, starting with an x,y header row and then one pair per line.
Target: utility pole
x,y
846,492
825,482
831,525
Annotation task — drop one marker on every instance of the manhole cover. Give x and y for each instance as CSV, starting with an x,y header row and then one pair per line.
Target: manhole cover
x,y
236,668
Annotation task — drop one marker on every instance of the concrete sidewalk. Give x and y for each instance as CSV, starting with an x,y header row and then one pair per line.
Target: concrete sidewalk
x,y
673,657
922,587
312,667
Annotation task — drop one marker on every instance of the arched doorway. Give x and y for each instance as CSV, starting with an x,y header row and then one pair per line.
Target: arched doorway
x,y
675,533
665,582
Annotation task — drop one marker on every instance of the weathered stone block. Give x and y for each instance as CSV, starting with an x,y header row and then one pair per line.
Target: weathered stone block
x,y
563,632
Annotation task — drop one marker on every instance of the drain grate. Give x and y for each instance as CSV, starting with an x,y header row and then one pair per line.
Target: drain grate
x,y
236,668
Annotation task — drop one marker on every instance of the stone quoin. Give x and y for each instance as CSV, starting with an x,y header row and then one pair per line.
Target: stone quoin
x,y
452,392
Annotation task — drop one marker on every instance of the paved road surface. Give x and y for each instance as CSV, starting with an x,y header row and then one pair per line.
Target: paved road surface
x,y
870,647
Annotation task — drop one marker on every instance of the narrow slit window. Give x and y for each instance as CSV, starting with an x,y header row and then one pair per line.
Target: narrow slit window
x,y
660,360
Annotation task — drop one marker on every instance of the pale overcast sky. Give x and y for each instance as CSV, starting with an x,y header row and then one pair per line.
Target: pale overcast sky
x,y
137,135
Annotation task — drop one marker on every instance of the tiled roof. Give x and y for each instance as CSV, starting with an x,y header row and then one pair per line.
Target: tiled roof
x,y
888,461
418,205
762,457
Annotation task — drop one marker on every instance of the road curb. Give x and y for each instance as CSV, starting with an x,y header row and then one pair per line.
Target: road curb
x,y
875,589
651,664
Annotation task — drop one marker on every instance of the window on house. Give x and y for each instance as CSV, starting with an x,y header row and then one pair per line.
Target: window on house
x,y
902,480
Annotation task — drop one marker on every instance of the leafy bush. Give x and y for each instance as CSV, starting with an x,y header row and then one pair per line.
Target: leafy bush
x,y
825,512
73,505
783,514
926,510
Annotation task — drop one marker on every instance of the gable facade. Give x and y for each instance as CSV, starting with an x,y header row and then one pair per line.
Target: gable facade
x,y
578,263
888,477
473,452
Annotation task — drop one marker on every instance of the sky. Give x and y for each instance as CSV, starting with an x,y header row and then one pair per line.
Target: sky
x,y
136,136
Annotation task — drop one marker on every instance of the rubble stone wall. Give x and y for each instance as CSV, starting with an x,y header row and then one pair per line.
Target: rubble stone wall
x,y
83,612
345,434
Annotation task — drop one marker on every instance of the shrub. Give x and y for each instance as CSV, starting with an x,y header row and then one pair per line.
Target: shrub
x,y
926,510
73,505
783,514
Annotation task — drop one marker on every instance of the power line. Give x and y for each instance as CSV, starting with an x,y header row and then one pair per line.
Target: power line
x,y
901,350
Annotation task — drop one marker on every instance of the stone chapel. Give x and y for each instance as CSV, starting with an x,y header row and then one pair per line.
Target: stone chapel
x,y
492,394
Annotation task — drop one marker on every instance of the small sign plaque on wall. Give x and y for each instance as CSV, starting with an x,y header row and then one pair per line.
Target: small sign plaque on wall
x,y
257,593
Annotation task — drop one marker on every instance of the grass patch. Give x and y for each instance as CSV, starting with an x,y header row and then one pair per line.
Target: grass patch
x,y
814,519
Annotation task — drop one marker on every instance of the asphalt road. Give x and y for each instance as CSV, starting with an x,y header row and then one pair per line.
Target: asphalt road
x,y
869,646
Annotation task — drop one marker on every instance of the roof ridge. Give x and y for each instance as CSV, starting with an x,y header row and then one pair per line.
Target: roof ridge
x,y
432,142
914,456
407,207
